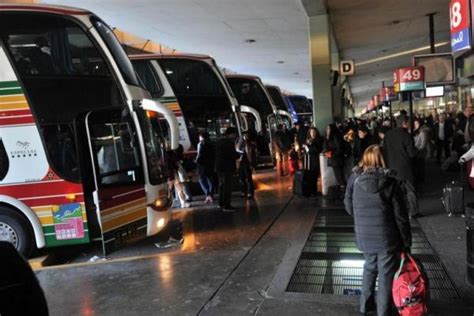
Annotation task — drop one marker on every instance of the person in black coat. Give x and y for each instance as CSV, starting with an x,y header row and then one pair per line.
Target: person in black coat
x,y
336,151
245,147
225,167
399,148
314,147
375,199
205,165
361,143
443,131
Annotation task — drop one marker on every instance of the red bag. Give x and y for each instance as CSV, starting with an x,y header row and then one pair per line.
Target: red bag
x,y
292,165
410,288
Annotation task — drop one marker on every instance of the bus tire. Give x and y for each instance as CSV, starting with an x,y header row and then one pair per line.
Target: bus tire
x,y
15,228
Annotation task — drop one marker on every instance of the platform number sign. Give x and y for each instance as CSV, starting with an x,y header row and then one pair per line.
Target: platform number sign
x,y
460,20
409,79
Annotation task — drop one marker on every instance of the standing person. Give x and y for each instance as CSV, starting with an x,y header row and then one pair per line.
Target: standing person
x,y
282,145
205,166
314,147
334,149
399,151
443,131
363,140
245,149
225,167
468,113
421,144
382,227
299,134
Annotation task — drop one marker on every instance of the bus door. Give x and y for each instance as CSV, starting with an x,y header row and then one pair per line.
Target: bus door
x,y
118,190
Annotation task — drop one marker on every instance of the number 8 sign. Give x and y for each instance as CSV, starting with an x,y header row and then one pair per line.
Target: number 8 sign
x,y
460,20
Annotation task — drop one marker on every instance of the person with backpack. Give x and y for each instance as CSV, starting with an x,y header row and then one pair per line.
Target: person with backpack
x,y
375,199
205,166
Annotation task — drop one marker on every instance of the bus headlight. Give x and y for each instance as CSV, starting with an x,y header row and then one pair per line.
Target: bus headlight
x,y
161,223
160,204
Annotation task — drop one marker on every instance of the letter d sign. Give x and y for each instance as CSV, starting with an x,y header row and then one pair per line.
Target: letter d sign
x,y
346,67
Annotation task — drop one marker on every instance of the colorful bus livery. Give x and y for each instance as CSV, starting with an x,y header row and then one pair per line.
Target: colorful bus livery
x,y
80,157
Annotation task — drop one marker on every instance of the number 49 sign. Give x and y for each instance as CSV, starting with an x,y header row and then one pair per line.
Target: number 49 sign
x,y
409,79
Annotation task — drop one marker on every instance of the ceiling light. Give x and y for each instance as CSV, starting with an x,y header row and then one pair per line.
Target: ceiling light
x,y
407,52
250,40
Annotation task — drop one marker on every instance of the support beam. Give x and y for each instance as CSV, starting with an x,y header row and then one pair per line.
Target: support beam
x,y
321,63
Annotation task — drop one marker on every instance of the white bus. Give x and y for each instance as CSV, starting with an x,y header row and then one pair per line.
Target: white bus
x,y
197,92
79,157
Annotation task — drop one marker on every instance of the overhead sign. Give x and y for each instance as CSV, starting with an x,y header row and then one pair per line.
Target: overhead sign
x,y
409,79
390,94
346,67
439,68
460,18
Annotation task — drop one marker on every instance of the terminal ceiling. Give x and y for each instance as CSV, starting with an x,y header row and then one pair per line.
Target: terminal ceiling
x,y
364,31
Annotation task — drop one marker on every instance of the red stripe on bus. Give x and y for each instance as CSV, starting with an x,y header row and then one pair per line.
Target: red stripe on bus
x,y
7,121
8,113
117,200
40,189
52,201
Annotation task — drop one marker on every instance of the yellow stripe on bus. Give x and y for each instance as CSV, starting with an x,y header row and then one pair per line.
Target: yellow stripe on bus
x,y
120,221
14,106
12,98
123,206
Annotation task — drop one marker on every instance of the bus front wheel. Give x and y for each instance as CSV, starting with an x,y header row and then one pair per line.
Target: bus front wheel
x,y
16,229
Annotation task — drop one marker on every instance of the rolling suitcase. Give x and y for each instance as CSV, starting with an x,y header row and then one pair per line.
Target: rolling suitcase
x,y
304,181
453,198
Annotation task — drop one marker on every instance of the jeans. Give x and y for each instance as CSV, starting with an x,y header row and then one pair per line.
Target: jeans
x,y
383,265
206,185
225,189
245,175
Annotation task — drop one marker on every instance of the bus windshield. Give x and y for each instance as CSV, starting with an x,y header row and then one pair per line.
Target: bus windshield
x,y
63,73
277,98
301,104
249,92
155,146
117,51
201,96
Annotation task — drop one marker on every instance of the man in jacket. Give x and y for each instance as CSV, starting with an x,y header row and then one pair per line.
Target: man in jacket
x,y
225,167
443,131
399,150
382,229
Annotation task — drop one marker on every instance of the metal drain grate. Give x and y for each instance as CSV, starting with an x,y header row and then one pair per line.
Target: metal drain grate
x,y
331,263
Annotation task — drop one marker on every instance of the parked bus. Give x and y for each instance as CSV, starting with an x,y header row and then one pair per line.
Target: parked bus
x,y
80,157
194,88
300,108
250,91
280,102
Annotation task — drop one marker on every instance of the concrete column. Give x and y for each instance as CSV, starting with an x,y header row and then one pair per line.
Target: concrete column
x,y
321,62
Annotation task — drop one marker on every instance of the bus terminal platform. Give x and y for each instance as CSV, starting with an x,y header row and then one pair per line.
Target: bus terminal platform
x,y
276,255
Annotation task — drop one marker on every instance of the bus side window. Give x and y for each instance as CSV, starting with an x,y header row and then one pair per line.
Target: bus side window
x,y
4,163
